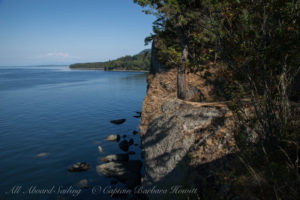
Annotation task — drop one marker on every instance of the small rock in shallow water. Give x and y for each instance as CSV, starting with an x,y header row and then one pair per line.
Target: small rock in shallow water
x,y
128,172
113,137
136,145
139,114
124,136
124,145
79,167
100,149
118,121
134,132
115,157
83,183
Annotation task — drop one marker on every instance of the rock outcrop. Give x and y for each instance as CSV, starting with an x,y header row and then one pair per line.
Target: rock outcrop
x,y
179,137
185,135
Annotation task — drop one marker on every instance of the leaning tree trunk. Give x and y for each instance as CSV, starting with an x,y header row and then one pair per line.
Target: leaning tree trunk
x,y
181,74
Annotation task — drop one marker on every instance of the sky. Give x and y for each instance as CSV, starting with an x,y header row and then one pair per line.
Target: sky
x,y
41,32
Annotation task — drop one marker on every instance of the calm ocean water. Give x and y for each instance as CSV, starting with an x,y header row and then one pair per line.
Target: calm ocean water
x,y
65,114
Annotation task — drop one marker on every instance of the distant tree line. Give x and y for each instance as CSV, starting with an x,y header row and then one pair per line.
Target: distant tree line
x,y
95,65
137,62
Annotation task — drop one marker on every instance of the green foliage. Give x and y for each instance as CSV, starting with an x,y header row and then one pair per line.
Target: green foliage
x,y
255,47
140,61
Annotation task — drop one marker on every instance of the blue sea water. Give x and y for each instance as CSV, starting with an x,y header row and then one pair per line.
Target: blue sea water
x,y
65,114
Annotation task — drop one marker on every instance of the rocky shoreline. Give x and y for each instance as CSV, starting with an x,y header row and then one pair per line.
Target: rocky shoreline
x,y
119,167
182,142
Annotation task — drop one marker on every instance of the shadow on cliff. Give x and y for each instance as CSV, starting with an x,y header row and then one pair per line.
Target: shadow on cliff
x,y
203,178
168,160
160,132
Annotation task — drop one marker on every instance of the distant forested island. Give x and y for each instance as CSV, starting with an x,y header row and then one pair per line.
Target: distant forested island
x,y
138,62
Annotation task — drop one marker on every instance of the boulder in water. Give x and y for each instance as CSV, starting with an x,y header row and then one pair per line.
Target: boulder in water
x,y
113,137
100,149
134,132
118,121
79,167
127,172
124,145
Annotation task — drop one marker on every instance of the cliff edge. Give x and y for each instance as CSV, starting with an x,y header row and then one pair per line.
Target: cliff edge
x,y
178,137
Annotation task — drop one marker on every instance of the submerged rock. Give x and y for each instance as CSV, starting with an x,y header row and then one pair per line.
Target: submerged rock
x,y
118,121
79,167
115,157
113,137
139,114
124,136
44,154
83,183
124,145
100,149
127,172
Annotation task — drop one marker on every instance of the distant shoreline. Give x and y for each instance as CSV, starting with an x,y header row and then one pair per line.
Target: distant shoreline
x,y
114,70
136,63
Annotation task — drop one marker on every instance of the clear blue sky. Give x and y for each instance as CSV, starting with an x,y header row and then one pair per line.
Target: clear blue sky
x,y
67,31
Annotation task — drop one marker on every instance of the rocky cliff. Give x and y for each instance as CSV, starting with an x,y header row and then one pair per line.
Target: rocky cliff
x,y
180,137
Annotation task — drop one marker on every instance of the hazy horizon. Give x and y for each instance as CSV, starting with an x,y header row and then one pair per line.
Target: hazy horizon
x,y
64,64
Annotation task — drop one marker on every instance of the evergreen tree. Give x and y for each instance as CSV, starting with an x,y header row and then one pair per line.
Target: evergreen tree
x,y
175,16
255,44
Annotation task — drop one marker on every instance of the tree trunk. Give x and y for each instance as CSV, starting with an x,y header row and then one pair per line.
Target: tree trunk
x,y
181,75
181,83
